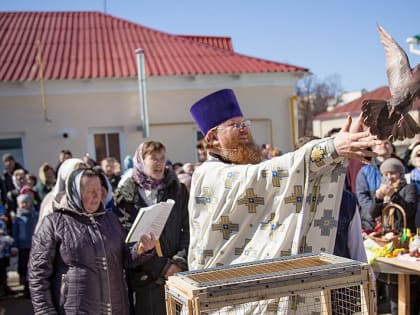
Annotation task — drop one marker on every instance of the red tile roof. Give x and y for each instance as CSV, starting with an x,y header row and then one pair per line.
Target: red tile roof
x,y
355,107
216,41
82,45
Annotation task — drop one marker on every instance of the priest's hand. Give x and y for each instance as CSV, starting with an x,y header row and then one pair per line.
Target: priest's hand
x,y
353,142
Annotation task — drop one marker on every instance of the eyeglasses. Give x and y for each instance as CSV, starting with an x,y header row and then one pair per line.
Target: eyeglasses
x,y
236,124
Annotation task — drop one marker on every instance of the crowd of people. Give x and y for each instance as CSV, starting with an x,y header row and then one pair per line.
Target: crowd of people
x,y
67,225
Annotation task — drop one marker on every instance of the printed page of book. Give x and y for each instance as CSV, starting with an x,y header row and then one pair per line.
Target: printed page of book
x,y
150,219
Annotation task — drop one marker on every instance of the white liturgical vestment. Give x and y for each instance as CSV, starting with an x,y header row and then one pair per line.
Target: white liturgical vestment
x,y
279,207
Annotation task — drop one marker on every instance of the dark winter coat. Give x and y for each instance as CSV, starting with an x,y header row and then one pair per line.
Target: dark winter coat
x,y
42,190
76,263
348,207
406,197
3,192
147,280
23,227
8,177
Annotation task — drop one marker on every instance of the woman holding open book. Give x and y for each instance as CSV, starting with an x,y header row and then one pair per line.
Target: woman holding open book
x,y
78,254
151,182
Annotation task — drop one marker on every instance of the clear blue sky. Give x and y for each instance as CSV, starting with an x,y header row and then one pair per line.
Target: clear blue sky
x,y
328,37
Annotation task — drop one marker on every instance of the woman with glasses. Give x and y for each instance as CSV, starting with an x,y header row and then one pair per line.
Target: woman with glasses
x,y
151,182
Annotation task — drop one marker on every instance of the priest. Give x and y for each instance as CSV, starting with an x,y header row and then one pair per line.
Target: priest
x,y
243,208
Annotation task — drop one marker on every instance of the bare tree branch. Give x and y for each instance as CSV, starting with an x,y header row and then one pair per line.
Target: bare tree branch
x,y
314,98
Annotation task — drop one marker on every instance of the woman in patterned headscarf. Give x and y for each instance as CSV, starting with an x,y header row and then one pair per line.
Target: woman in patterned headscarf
x,y
78,255
150,183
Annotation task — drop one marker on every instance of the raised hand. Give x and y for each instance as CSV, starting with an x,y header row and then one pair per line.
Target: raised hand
x,y
354,143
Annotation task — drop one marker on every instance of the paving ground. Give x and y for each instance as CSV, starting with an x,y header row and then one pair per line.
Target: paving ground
x,y
18,304
15,303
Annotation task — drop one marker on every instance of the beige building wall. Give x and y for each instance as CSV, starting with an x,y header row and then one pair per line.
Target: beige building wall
x,y
82,108
321,127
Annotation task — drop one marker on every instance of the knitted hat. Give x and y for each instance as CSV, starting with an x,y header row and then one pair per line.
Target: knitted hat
x,y
24,197
392,165
214,109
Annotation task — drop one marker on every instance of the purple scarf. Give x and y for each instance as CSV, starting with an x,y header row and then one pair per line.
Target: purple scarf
x,y
139,176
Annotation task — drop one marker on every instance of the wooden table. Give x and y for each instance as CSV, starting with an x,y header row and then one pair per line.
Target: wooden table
x,y
403,269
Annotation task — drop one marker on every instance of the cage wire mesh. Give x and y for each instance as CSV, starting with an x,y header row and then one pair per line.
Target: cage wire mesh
x,y
303,284
344,301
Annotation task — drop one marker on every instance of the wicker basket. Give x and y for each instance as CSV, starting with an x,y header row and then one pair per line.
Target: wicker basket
x,y
388,220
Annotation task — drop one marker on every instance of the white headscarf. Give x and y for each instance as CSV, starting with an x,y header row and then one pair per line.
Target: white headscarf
x,y
74,193
64,171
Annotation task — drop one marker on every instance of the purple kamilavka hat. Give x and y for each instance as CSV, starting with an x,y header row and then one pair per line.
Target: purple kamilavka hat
x,y
214,109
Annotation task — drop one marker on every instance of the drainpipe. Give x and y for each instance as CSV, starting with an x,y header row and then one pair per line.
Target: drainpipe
x,y
412,41
41,80
141,73
294,117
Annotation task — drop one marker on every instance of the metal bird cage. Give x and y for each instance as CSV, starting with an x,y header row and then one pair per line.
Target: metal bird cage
x,y
300,284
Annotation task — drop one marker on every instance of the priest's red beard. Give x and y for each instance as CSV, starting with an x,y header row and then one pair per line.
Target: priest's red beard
x,y
241,153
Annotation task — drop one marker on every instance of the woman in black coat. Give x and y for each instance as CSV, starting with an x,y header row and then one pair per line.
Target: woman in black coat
x,y
151,183
78,253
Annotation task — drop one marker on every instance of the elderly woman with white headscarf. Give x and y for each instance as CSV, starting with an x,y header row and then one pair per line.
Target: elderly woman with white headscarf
x,y
66,168
78,255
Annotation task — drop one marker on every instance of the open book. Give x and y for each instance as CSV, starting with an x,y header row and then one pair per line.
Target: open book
x,y
150,219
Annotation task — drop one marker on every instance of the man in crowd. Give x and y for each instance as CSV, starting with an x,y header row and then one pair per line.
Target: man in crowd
x,y
10,165
244,209
108,167
201,151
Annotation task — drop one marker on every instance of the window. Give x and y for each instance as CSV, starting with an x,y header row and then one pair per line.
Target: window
x,y
107,144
